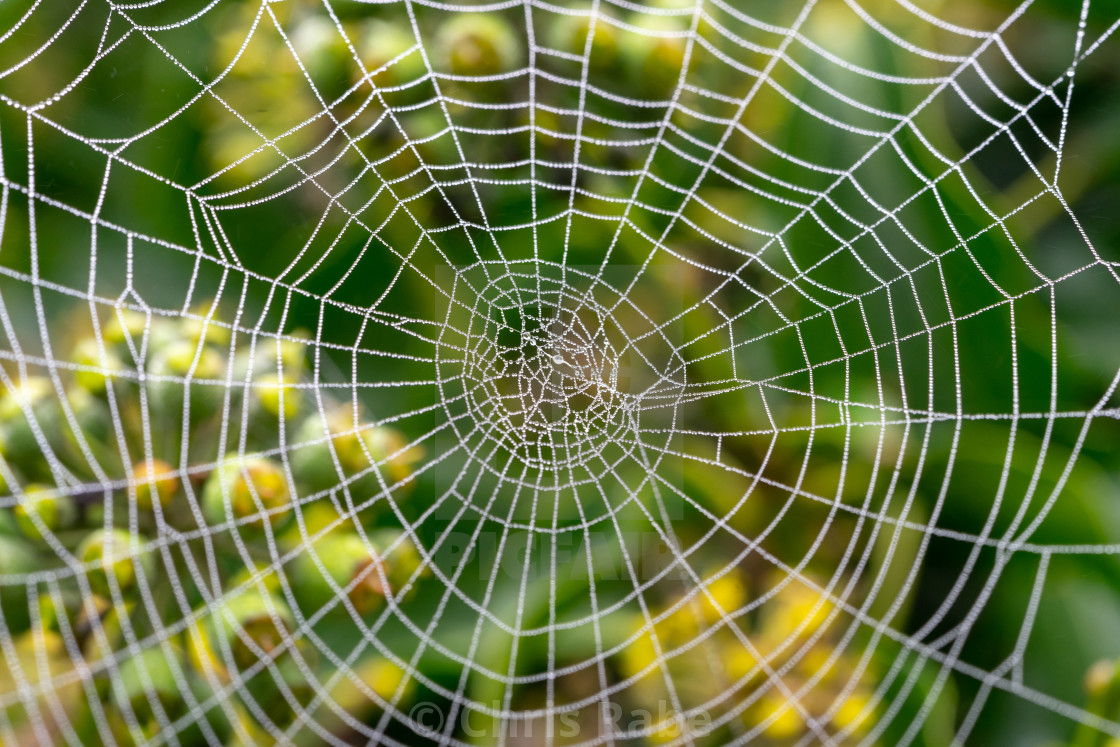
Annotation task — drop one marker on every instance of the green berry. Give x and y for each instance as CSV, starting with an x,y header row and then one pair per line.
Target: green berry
x,y
402,560
390,446
321,48
53,511
124,325
478,44
49,612
251,619
569,34
313,463
265,576
428,131
176,360
1102,676
254,486
151,675
115,553
17,558
345,557
98,627
18,442
178,357
293,353
267,390
88,354
203,327
654,59
154,477
94,419
94,607
380,43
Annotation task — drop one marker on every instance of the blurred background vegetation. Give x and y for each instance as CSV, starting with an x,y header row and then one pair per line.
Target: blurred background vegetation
x,y
266,281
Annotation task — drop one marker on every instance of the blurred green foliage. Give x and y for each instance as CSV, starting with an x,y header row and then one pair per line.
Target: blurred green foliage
x,y
240,240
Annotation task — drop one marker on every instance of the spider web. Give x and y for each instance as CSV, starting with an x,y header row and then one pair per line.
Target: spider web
x,y
749,396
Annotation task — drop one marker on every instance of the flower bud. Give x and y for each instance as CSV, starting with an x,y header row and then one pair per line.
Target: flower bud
x,y
255,487
728,592
115,553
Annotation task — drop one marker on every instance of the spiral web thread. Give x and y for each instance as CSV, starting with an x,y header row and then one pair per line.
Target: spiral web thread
x,y
600,409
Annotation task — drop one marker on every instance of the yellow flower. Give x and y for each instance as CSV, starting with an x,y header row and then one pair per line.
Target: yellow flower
x,y
666,732
787,721
729,592
382,676
850,711
795,607
738,661
639,654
